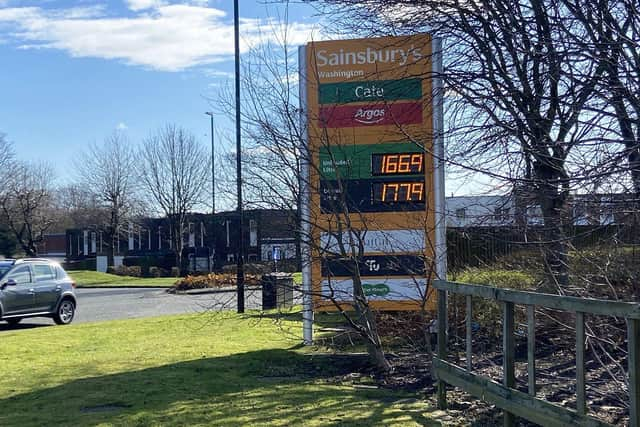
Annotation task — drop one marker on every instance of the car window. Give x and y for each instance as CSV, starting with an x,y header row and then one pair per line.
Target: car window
x,y
4,268
60,273
43,272
21,275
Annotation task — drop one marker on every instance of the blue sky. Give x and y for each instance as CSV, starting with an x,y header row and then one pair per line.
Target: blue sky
x,y
73,71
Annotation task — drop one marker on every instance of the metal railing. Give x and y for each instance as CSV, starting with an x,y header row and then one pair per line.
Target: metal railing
x,y
514,402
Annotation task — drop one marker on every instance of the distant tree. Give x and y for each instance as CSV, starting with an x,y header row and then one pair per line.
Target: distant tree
x,y
27,204
108,171
79,208
8,242
175,172
6,154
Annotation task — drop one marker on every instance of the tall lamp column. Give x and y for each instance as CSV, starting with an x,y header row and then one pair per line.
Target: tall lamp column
x,y
212,239
213,162
240,260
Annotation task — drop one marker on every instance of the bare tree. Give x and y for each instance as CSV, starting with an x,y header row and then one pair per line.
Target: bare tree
x,y
612,39
520,97
175,170
274,153
108,171
27,203
6,153
79,208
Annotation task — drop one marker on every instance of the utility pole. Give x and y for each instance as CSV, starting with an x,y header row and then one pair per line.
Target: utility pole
x,y
212,239
213,162
240,258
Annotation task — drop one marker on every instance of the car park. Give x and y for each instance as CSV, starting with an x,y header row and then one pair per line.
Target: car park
x,y
36,287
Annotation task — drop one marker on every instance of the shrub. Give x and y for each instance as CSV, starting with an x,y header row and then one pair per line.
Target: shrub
x,y
487,314
123,270
133,271
158,272
512,279
212,280
606,272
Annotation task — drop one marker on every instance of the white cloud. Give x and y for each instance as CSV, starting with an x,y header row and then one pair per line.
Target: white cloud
x,y
218,73
136,5
161,35
122,126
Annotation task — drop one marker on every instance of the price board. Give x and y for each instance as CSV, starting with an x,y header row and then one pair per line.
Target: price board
x,y
370,136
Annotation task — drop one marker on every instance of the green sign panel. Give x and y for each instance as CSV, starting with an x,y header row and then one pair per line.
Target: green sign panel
x,y
370,91
354,161
377,290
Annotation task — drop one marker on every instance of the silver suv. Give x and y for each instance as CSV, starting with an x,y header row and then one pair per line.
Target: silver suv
x,y
34,287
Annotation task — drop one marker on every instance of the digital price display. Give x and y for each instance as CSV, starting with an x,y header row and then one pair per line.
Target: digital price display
x,y
398,192
397,164
387,181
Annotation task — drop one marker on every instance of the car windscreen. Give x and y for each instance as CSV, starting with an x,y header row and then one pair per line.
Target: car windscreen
x,y
4,269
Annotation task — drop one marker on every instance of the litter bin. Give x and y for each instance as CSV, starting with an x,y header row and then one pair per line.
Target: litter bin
x,y
277,291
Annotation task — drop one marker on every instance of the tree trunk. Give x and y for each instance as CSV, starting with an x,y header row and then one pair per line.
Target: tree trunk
x,y
553,202
369,330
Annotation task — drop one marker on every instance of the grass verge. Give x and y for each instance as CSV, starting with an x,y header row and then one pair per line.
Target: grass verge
x,y
206,369
87,279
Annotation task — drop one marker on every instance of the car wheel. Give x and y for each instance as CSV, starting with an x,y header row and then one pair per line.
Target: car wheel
x,y
13,322
65,313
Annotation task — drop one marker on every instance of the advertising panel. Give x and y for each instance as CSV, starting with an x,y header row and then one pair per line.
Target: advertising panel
x,y
370,134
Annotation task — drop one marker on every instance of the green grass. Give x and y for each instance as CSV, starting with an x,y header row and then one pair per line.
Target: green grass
x,y
86,279
203,369
297,278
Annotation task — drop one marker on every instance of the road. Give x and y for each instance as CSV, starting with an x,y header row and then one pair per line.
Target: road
x,y
96,305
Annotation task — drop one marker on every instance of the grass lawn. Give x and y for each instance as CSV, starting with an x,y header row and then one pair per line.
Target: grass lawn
x,y
87,279
206,369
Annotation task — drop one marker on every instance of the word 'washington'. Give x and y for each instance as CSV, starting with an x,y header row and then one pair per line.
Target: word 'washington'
x,y
368,56
347,74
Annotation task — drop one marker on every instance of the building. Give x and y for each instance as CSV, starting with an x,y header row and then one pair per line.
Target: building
x,y
210,241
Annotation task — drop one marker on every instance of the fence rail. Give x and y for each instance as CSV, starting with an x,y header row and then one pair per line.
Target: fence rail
x,y
505,396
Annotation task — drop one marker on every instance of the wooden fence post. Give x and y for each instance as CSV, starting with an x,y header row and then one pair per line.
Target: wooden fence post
x,y
581,405
508,348
633,339
469,335
442,346
531,349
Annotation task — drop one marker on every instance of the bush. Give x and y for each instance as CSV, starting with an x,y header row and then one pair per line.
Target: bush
x,y
123,270
175,272
158,272
618,266
146,262
212,280
487,314
511,279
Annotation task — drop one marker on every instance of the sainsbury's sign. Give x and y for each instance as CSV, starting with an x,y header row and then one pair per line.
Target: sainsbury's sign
x,y
370,55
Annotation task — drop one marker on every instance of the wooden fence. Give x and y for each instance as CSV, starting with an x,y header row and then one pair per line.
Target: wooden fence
x,y
514,402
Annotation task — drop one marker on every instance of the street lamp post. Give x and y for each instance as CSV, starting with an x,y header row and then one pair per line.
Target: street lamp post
x,y
213,196
213,162
240,260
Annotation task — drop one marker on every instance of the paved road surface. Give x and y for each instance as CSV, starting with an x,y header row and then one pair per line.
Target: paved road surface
x,y
127,303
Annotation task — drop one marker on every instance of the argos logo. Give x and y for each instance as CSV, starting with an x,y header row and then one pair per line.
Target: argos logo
x,y
400,113
369,116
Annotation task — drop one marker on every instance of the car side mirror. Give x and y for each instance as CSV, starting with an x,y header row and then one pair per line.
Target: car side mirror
x,y
9,282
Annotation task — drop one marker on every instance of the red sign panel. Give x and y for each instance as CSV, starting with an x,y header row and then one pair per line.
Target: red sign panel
x,y
398,113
